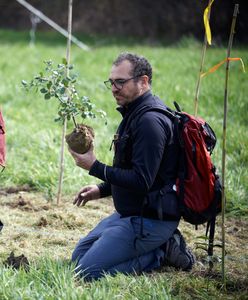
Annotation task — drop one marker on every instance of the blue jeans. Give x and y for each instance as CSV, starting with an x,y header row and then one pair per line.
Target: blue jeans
x,y
115,245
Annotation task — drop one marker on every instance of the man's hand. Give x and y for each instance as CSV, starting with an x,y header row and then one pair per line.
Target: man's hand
x,y
87,193
86,160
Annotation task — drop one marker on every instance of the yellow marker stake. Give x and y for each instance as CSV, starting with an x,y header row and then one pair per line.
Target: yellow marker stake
x,y
206,22
206,18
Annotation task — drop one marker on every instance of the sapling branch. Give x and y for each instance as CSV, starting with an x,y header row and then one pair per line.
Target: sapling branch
x,y
54,82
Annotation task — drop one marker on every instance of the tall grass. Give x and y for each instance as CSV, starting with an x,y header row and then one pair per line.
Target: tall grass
x,y
33,138
54,280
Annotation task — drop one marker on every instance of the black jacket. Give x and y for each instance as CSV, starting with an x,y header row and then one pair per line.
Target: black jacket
x,y
145,163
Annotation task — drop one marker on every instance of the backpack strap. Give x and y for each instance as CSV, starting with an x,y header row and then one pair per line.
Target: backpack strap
x,y
211,230
135,116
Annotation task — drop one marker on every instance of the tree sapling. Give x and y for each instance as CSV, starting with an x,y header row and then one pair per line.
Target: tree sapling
x,y
55,83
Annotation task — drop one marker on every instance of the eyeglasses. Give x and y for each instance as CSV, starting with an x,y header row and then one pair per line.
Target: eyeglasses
x,y
118,83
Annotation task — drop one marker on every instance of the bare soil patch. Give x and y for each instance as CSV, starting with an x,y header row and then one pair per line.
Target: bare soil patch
x,y
17,262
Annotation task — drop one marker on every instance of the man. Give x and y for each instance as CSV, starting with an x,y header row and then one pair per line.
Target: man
x,y
134,238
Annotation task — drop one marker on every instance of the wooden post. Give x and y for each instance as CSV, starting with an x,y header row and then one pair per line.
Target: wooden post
x,y
232,31
62,151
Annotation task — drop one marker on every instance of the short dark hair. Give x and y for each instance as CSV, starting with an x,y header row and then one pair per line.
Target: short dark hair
x,y
140,64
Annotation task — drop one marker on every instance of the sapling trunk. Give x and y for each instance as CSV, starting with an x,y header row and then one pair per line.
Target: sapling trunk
x,y
232,31
58,83
62,151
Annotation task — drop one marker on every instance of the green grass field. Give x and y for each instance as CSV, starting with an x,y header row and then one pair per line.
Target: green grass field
x,y
33,147
34,138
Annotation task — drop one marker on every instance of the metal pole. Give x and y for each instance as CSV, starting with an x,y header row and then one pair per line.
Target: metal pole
x,y
53,24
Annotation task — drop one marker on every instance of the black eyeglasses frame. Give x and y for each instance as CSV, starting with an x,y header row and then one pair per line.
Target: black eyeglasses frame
x,y
120,82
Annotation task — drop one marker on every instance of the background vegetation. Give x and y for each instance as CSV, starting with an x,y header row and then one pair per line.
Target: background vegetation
x,y
138,18
47,233
33,137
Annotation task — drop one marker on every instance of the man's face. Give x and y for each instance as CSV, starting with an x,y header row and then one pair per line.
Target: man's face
x,y
131,89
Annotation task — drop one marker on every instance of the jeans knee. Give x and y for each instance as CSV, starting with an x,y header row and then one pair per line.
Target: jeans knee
x,y
75,255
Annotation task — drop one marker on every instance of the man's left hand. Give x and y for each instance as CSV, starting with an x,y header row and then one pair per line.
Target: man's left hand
x,y
86,160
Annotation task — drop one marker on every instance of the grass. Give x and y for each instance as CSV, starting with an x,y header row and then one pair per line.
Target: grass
x,y
47,234
34,138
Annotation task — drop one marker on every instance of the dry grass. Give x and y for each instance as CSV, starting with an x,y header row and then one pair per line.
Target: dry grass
x,y
36,228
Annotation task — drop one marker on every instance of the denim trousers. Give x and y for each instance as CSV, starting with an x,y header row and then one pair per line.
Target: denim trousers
x,y
117,245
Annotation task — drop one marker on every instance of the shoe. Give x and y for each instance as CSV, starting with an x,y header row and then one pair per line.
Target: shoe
x,y
177,254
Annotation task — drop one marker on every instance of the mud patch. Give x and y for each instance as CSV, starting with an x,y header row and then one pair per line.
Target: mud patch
x,y
26,205
22,204
17,262
42,222
56,220
16,189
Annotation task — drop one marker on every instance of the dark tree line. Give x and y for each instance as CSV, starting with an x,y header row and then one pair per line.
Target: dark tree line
x,y
153,19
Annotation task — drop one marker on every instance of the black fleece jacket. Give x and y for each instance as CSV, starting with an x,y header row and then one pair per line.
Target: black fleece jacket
x,y
150,164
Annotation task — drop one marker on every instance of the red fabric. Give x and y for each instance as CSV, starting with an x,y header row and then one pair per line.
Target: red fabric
x,y
199,184
2,141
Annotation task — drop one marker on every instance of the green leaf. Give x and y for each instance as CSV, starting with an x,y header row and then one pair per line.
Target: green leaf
x,y
64,61
62,90
47,96
58,119
24,83
65,82
43,91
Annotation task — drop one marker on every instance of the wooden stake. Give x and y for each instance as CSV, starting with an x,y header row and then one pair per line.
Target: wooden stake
x,y
204,48
62,150
232,31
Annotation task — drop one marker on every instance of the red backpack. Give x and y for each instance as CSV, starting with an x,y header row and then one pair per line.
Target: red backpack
x,y
198,186
2,142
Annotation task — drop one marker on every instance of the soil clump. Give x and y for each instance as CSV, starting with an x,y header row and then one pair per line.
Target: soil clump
x,y
80,139
17,262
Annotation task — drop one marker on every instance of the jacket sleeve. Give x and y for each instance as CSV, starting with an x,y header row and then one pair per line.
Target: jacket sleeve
x,y
105,189
150,136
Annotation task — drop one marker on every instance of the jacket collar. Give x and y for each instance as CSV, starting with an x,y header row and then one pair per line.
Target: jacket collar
x,y
132,105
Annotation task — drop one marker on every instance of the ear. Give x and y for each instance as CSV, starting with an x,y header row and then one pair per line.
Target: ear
x,y
145,81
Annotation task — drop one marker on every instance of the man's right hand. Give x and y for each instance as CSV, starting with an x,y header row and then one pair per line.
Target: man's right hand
x,y
87,193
